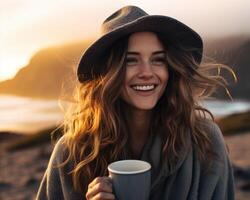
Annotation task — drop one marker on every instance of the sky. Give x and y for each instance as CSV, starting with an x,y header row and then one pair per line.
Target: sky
x,y
27,26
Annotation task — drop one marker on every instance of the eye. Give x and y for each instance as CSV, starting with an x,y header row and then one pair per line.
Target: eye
x,y
131,61
159,61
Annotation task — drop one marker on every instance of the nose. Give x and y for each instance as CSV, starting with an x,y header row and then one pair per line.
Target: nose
x,y
145,70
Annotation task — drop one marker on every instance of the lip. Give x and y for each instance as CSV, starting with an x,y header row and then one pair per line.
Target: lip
x,y
144,93
144,84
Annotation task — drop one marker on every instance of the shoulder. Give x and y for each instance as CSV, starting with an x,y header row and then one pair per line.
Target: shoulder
x,y
60,152
215,135
212,129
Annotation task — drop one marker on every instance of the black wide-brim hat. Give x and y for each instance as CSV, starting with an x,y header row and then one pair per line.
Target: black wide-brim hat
x,y
128,20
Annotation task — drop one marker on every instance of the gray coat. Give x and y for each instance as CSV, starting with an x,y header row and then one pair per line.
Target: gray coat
x,y
186,181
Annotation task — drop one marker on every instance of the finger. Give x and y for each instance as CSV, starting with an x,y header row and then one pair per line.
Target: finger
x,y
94,182
103,195
102,186
100,179
108,180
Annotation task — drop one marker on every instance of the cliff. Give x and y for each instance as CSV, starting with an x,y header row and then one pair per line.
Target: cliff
x,y
52,69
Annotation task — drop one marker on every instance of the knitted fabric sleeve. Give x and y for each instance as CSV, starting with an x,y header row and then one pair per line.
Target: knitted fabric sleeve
x,y
221,176
57,182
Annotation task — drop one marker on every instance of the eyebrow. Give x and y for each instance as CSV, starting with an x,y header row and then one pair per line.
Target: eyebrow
x,y
136,53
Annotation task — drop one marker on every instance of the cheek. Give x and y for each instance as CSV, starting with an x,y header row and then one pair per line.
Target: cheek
x,y
125,85
166,80
164,76
123,88
124,92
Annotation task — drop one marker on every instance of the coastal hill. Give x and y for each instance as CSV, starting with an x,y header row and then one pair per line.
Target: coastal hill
x,y
48,71
52,69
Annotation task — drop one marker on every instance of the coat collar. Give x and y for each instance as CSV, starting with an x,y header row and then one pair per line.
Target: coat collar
x,y
152,154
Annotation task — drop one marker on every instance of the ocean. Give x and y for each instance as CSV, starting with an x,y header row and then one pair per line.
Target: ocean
x,y
27,115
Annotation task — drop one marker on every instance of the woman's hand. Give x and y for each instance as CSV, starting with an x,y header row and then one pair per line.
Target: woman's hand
x,y
99,189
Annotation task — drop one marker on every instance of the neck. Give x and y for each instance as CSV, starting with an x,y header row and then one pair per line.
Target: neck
x,y
138,122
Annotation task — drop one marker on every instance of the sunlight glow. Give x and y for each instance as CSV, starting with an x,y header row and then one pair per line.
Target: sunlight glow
x,y
30,25
11,64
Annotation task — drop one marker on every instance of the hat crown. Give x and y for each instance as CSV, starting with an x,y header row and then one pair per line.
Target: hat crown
x,y
121,17
128,20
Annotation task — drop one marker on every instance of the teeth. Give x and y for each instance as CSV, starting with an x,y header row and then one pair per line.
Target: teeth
x,y
143,87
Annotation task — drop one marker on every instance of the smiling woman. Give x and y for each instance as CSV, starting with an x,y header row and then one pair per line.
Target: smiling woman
x,y
138,98
146,71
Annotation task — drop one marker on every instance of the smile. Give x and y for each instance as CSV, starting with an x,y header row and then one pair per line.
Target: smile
x,y
143,87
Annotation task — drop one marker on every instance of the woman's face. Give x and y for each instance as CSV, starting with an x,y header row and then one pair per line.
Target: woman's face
x,y
146,71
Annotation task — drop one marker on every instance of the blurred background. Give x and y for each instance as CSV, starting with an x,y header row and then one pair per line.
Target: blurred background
x,y
40,45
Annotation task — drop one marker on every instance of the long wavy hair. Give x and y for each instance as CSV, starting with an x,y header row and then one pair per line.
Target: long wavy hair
x,y
95,129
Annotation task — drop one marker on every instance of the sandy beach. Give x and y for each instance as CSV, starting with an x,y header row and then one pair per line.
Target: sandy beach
x,y
21,171
239,151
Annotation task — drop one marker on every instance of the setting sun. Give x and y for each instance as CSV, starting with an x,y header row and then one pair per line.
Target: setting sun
x,y
11,63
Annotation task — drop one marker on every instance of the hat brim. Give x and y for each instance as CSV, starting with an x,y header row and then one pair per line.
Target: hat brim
x,y
91,60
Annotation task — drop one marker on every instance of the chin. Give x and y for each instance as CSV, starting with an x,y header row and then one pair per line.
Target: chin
x,y
144,106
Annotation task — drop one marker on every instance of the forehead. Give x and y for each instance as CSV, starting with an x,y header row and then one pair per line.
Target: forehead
x,y
144,40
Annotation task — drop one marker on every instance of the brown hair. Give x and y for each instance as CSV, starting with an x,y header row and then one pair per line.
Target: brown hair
x,y
96,131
